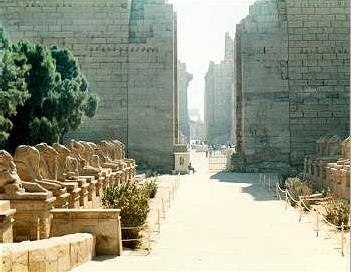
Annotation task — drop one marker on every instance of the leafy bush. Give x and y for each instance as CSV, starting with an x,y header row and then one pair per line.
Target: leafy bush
x,y
297,189
151,188
338,211
132,199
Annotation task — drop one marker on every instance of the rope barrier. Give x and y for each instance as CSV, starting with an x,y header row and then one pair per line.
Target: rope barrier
x,y
302,204
290,196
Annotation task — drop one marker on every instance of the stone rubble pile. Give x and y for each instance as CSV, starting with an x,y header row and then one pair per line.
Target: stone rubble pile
x,y
330,167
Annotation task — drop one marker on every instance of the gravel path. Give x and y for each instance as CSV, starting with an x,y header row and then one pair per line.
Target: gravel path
x,y
222,221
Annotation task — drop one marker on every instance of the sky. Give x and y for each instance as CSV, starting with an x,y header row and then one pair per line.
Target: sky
x,y
201,31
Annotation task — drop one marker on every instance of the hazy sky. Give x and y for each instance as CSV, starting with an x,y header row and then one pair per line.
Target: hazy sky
x,y
201,30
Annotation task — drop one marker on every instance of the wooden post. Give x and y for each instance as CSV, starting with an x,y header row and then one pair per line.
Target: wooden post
x,y
342,239
169,198
317,223
276,190
163,209
38,228
158,220
149,240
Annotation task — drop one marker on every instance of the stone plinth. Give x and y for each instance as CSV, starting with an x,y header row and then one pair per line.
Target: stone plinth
x,y
6,221
74,194
54,254
103,224
182,161
32,218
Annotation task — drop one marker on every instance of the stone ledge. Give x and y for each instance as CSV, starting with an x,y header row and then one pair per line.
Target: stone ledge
x,y
54,254
104,224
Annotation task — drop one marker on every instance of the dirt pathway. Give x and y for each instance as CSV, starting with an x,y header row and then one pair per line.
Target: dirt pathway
x,y
222,221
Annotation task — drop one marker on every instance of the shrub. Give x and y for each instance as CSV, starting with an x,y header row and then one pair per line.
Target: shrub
x,y
151,188
337,211
297,189
133,202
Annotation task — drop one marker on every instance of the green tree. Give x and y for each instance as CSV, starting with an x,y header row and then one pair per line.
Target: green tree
x,y
59,96
13,87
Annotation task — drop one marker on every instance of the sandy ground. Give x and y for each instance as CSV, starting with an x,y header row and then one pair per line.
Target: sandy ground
x,y
229,222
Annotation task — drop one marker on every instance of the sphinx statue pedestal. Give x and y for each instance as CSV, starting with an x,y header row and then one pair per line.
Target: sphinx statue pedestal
x,y
74,194
92,199
32,217
6,221
32,202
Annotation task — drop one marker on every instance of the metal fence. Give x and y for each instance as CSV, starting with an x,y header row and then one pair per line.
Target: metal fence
x,y
217,159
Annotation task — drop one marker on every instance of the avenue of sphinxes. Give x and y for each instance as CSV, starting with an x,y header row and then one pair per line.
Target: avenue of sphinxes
x,y
55,193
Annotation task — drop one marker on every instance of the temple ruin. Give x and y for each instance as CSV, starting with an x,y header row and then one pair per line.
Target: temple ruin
x,y
291,80
127,50
184,79
219,98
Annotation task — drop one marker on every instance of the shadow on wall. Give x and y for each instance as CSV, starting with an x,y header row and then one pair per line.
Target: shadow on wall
x,y
250,183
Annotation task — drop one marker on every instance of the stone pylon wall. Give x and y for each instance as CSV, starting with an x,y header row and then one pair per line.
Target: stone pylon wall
x,y
127,51
184,79
151,86
218,98
97,33
319,72
263,130
291,79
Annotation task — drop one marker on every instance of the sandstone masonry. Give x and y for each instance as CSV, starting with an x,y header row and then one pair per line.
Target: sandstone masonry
x,y
152,90
218,98
184,79
291,80
126,49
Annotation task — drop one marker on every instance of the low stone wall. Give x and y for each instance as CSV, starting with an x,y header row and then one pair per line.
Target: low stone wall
x,y
104,224
54,254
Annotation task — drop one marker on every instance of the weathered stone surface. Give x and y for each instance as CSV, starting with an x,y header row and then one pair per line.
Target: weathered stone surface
x,y
103,224
127,50
329,168
6,221
56,254
41,167
291,80
218,98
184,79
152,91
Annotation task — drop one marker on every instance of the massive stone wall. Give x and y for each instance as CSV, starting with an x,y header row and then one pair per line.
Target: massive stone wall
x,y
127,51
184,79
291,79
151,87
319,72
264,97
218,98
97,33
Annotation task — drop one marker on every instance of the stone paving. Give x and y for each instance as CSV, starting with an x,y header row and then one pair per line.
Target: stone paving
x,y
225,221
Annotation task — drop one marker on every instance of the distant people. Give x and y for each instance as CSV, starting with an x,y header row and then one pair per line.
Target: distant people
x,y
191,168
206,153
